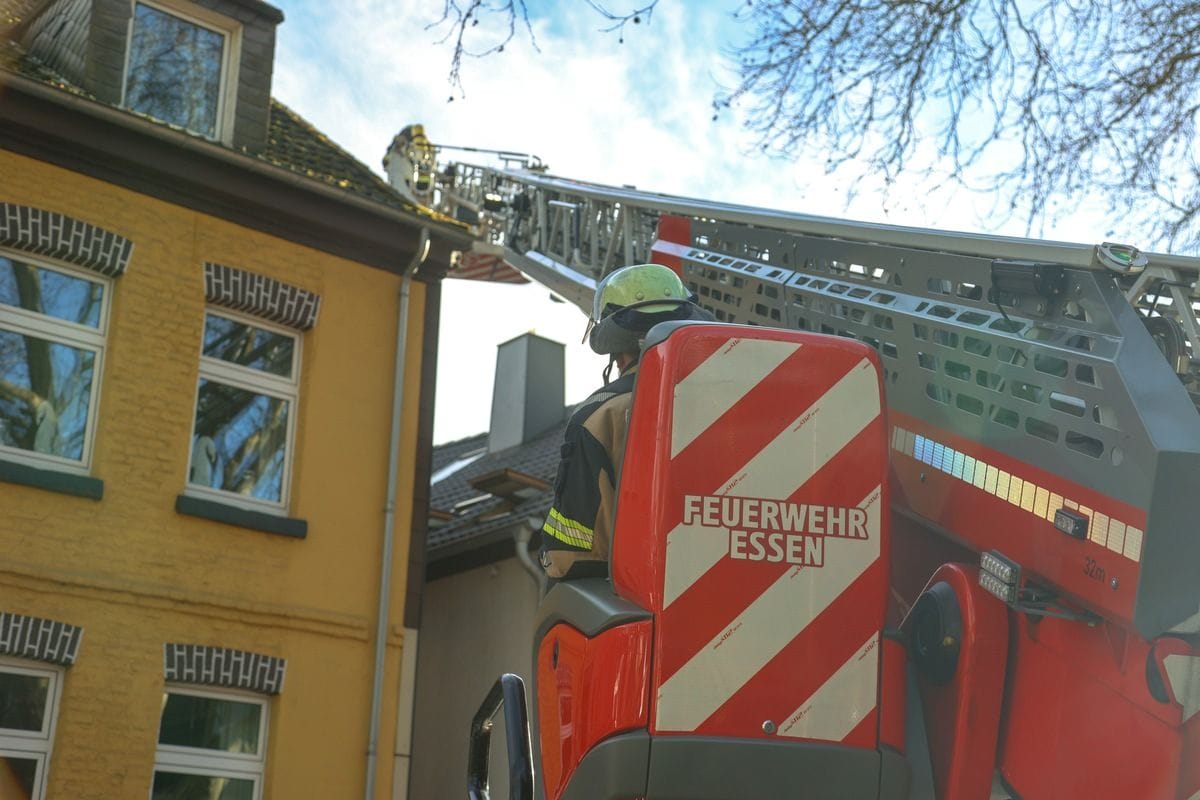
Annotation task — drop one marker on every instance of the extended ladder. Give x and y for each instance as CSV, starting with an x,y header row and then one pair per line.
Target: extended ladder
x,y
1075,358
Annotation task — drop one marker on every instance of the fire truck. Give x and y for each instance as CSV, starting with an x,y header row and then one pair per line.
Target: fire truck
x,y
913,519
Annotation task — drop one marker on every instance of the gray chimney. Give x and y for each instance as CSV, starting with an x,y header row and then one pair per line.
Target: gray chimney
x,y
528,396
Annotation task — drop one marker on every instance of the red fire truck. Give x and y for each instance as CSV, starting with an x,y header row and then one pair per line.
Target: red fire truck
x,y
915,520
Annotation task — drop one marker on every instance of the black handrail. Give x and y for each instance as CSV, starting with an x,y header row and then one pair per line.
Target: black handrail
x,y
509,692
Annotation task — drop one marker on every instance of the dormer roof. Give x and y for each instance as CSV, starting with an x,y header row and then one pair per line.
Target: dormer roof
x,y
82,129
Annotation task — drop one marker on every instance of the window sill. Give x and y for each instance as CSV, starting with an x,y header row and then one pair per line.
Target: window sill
x,y
231,515
52,480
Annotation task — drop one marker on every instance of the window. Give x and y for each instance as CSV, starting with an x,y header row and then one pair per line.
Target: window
x,y
52,325
245,412
29,697
210,745
181,65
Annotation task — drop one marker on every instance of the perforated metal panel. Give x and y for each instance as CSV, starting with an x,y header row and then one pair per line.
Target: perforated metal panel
x,y
1032,385
1074,385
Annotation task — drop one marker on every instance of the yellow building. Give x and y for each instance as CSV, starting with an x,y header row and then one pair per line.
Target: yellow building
x,y
216,339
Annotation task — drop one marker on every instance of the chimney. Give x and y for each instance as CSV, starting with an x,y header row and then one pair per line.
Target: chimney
x,y
528,396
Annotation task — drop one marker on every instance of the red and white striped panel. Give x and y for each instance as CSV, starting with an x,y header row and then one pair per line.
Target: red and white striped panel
x,y
474,266
774,588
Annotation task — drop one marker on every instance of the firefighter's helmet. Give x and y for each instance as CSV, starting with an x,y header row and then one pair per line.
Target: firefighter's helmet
x,y
632,300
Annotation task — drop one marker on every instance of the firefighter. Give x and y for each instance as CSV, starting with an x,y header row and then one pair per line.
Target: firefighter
x,y
578,529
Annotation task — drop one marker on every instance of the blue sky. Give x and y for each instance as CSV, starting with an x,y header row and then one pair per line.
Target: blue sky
x,y
634,113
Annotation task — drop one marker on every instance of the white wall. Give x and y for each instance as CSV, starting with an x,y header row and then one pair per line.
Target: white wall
x,y
474,626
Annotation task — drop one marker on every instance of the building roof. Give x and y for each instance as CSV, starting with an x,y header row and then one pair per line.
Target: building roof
x,y
293,143
537,458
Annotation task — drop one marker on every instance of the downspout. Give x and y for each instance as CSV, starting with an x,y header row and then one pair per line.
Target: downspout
x,y
521,535
389,513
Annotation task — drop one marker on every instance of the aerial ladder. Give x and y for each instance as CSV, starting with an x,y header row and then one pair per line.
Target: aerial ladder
x,y
1017,495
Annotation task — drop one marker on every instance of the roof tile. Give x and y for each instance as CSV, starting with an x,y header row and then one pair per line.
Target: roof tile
x,y
294,144
538,458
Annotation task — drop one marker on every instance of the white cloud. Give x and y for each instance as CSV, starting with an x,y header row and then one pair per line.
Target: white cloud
x,y
634,113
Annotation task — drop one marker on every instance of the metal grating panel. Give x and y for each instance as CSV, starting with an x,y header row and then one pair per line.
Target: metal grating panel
x,y
1038,384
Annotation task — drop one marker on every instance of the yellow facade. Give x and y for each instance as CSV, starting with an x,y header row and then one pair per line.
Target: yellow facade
x,y
135,574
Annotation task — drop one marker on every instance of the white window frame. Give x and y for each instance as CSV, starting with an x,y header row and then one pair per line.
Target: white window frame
x,y
199,761
259,382
230,60
82,337
34,745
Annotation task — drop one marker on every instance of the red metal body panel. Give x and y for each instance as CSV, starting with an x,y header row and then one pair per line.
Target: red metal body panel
x,y
779,671
1094,574
1189,778
673,240
1072,718
916,554
588,690
1080,721
893,694
962,717
675,229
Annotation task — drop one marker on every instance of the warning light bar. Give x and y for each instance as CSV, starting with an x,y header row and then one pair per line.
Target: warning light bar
x,y
999,576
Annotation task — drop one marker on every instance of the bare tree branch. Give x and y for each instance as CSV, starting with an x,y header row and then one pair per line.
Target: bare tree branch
x,y
619,21
1071,98
461,17
1038,103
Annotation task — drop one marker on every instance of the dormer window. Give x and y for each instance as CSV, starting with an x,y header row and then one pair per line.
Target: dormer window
x,y
181,66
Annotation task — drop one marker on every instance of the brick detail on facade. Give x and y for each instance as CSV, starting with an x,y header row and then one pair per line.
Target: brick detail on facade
x,y
47,233
220,666
39,639
262,296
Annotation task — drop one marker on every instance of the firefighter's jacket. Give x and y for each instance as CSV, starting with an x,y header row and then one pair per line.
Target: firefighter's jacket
x,y
578,530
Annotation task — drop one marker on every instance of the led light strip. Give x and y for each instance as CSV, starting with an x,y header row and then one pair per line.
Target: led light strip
x,y
1117,536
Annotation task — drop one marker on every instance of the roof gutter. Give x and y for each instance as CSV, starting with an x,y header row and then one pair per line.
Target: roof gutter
x,y
389,514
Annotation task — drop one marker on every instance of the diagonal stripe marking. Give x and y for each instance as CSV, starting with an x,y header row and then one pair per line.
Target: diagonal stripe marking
x,y
708,391
781,613
777,471
834,710
696,616
799,669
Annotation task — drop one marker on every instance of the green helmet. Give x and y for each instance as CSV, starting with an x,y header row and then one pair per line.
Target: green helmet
x,y
632,300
